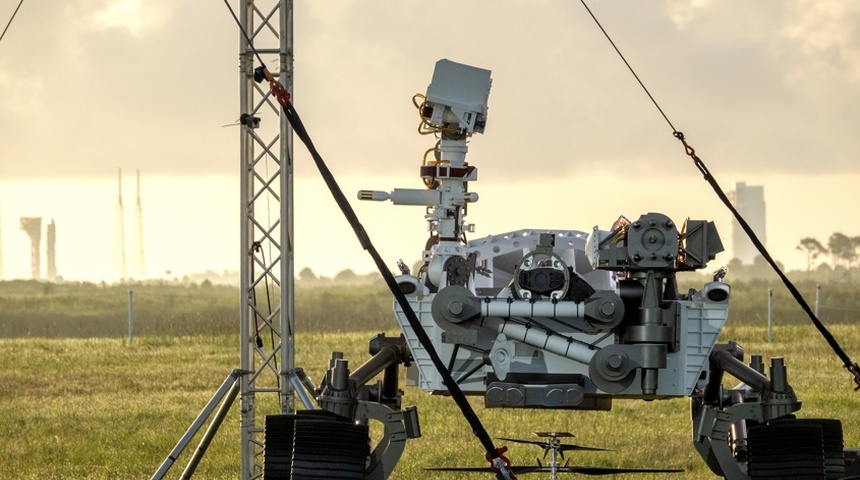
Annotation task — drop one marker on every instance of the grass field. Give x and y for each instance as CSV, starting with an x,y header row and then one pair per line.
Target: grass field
x,y
74,407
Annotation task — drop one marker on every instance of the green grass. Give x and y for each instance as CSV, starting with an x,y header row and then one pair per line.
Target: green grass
x,y
72,310
69,310
95,408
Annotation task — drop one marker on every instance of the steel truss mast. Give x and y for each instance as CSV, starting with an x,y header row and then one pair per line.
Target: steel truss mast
x,y
266,267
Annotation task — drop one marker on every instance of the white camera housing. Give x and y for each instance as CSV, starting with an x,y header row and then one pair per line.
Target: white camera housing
x,y
458,95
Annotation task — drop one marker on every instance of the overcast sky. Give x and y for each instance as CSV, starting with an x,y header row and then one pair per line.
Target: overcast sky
x,y
766,91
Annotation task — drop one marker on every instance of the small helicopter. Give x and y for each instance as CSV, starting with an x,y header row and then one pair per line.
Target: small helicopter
x,y
556,448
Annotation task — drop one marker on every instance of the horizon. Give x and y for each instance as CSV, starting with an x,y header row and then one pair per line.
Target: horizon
x,y
210,221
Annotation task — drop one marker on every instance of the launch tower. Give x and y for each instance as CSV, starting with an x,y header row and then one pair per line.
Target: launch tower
x,y
32,226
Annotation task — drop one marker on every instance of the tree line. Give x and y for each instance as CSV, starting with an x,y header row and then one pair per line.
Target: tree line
x,y
841,249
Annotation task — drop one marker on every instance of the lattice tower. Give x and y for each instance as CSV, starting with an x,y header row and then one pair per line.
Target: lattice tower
x,y
137,264
119,236
266,264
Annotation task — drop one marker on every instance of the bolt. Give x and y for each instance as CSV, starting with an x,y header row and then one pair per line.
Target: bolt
x,y
614,362
607,309
652,239
501,356
669,224
455,308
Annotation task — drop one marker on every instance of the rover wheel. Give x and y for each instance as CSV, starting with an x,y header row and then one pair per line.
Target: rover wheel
x,y
278,449
315,445
834,453
786,449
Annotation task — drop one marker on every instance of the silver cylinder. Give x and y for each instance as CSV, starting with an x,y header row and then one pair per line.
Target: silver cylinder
x,y
526,308
541,339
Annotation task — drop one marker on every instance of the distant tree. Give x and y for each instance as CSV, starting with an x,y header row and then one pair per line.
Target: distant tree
x,y
735,266
855,244
841,249
813,249
761,269
346,276
307,275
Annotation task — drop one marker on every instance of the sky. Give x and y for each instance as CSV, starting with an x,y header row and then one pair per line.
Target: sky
x,y
766,93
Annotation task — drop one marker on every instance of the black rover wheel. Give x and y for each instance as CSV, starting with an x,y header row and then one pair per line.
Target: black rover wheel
x,y
314,445
796,449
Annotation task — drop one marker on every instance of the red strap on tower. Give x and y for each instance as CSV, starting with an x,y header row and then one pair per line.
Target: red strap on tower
x,y
280,93
278,90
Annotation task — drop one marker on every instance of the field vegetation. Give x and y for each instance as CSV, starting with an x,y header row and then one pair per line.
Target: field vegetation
x,y
78,402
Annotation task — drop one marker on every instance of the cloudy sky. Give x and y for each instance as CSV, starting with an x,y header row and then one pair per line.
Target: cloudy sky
x,y
766,91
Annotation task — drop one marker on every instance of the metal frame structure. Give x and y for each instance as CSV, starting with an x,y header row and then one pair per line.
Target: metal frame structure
x,y
266,266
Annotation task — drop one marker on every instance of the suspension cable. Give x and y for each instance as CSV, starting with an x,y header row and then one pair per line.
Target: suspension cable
x,y
851,366
493,454
10,19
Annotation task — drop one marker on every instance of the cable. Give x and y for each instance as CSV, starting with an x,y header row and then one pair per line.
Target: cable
x,y
429,182
422,122
628,65
366,244
431,128
244,33
456,393
10,20
268,305
851,366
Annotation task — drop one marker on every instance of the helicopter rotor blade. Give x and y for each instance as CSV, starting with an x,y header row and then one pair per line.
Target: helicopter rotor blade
x,y
582,470
555,434
562,447
515,469
570,447
530,442
612,470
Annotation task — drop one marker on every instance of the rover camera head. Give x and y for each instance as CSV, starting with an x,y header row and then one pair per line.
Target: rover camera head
x,y
457,97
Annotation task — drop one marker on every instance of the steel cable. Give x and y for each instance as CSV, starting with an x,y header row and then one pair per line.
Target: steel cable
x,y
851,366
10,20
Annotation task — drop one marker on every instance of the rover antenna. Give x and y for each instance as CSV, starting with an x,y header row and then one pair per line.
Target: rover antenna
x,y
119,234
137,264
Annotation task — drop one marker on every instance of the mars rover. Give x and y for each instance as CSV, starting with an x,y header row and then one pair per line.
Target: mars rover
x,y
565,319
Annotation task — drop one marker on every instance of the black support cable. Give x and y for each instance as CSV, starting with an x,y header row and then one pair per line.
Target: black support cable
x,y
456,393
10,19
846,360
851,366
629,67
